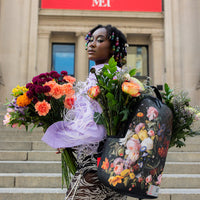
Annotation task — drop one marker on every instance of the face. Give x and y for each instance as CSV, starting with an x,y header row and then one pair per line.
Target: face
x,y
99,47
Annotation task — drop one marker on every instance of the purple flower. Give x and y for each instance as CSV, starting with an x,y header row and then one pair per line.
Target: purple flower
x,y
28,85
42,75
30,94
54,74
46,89
39,89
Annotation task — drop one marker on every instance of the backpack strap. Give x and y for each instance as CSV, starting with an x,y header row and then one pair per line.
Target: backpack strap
x,y
158,95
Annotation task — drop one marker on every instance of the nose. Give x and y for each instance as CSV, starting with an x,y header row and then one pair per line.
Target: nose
x,y
92,43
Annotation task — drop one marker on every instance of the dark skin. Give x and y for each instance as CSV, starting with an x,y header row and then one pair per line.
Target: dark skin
x,y
99,47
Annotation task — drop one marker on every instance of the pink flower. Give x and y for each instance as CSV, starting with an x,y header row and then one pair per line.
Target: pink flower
x,y
17,126
139,127
152,113
42,107
159,179
6,119
133,155
149,179
151,133
133,145
118,169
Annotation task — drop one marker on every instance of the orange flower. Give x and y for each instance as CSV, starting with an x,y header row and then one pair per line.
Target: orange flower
x,y
68,89
69,102
93,92
140,114
57,91
113,180
105,164
42,107
23,100
69,79
51,84
131,88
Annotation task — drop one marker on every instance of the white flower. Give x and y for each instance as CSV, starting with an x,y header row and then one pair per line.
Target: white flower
x,y
148,143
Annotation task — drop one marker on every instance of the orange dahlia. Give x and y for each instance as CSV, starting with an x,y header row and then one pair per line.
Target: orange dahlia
x,y
23,100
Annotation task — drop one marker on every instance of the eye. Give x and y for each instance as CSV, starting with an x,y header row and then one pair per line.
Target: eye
x,y
91,39
100,39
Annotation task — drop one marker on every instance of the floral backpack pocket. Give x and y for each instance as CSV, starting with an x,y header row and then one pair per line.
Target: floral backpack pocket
x,y
132,164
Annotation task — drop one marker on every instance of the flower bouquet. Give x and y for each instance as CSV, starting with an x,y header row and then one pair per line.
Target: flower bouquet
x,y
41,103
117,92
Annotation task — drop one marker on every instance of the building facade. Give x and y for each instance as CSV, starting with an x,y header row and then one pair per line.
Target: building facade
x,y
162,45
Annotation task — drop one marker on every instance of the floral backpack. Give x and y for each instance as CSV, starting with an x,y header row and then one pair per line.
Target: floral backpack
x,y
133,163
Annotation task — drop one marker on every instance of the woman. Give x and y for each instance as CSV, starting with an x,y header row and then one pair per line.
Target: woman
x,y
82,133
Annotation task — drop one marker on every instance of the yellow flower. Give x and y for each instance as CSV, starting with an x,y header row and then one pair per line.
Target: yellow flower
x,y
132,175
23,100
143,134
113,180
125,172
19,90
135,136
131,88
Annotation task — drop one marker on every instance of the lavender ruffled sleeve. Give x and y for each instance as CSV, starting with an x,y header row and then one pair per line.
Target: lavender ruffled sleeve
x,y
81,128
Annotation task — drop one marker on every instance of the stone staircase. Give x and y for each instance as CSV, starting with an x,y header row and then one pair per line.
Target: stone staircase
x,y
30,170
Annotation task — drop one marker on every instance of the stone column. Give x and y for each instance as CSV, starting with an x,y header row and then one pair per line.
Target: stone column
x,y
32,50
43,53
81,60
156,59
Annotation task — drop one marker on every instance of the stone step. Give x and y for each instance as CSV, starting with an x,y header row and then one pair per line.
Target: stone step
x,y
29,155
59,194
24,146
39,145
55,167
183,156
54,180
30,166
31,180
52,156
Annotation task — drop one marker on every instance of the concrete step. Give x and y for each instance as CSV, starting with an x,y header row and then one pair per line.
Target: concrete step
x,y
52,156
24,146
30,166
54,180
55,167
59,194
183,156
182,168
39,145
31,180
29,155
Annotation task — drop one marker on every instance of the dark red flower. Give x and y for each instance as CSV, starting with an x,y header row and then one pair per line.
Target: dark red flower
x,y
54,74
64,73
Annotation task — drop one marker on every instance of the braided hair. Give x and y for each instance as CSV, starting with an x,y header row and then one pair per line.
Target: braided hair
x,y
118,42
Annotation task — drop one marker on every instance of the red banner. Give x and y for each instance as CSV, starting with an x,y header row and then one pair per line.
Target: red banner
x,y
109,5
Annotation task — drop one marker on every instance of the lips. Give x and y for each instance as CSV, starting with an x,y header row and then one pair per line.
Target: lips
x,y
90,51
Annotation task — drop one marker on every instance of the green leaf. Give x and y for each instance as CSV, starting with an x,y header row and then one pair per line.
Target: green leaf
x,y
112,62
132,72
125,114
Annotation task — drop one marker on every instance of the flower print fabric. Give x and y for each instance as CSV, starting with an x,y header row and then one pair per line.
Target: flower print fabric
x,y
136,162
79,127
